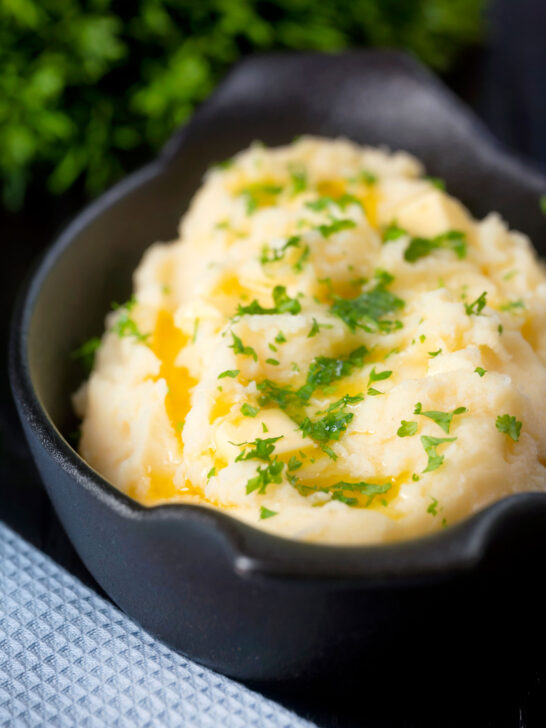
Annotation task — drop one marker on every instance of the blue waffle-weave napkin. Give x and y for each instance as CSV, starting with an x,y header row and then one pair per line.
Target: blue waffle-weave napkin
x,y
70,658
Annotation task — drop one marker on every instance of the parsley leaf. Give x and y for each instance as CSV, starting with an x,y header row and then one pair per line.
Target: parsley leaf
x,y
86,353
229,373
283,304
248,410
344,491
379,376
430,444
239,348
407,429
261,449
265,475
325,370
434,353
316,327
509,425
442,419
367,310
124,324
393,232
211,472
266,513
299,181
433,507
480,370
329,427
336,226
476,307
451,240
258,195
272,255
512,306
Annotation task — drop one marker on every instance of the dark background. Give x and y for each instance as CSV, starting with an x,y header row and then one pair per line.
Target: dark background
x,y
504,80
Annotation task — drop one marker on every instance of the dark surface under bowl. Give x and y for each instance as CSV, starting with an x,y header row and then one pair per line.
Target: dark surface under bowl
x,y
248,604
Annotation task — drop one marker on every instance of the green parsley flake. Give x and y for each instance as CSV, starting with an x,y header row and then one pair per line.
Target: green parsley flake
x,y
85,353
329,427
280,338
509,425
512,306
430,444
316,327
272,255
195,329
367,310
294,464
298,178
229,373
211,473
433,507
125,326
434,353
265,475
407,428
273,362
336,226
454,240
283,304
261,449
393,232
239,348
298,265
254,195
476,307
266,513
345,491
480,370
442,419
248,410
379,376
436,182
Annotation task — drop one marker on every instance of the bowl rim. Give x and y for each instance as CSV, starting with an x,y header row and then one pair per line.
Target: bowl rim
x,y
254,552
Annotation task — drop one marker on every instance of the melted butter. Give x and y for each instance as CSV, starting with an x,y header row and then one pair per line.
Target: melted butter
x,y
167,341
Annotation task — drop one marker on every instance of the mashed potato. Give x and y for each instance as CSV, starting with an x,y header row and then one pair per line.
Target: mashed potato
x,y
333,350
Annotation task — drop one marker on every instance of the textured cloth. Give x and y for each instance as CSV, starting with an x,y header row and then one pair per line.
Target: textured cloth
x,y
70,658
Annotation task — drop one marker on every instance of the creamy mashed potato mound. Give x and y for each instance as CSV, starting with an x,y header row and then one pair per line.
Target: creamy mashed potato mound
x,y
333,350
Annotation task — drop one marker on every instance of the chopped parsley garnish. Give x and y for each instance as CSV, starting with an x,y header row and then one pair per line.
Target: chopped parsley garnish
x,y
266,513
239,348
336,226
379,376
280,338
298,178
324,202
326,370
343,402
435,353
442,419
369,178
480,370
86,353
329,427
256,194
298,265
509,425
393,232
512,306
271,473
211,473
124,325
294,464
248,410
195,329
345,492
367,310
436,182
265,428
272,255
433,507
407,429
374,392
451,240
283,304
430,444
261,449
476,307
229,373
273,362
316,327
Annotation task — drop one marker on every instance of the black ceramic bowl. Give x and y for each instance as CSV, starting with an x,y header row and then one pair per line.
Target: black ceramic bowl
x,y
246,603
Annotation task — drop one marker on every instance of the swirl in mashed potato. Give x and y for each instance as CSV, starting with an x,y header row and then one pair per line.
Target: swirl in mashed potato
x,y
333,350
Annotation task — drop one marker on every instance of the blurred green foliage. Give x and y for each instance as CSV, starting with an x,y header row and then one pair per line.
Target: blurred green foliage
x,y
89,88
